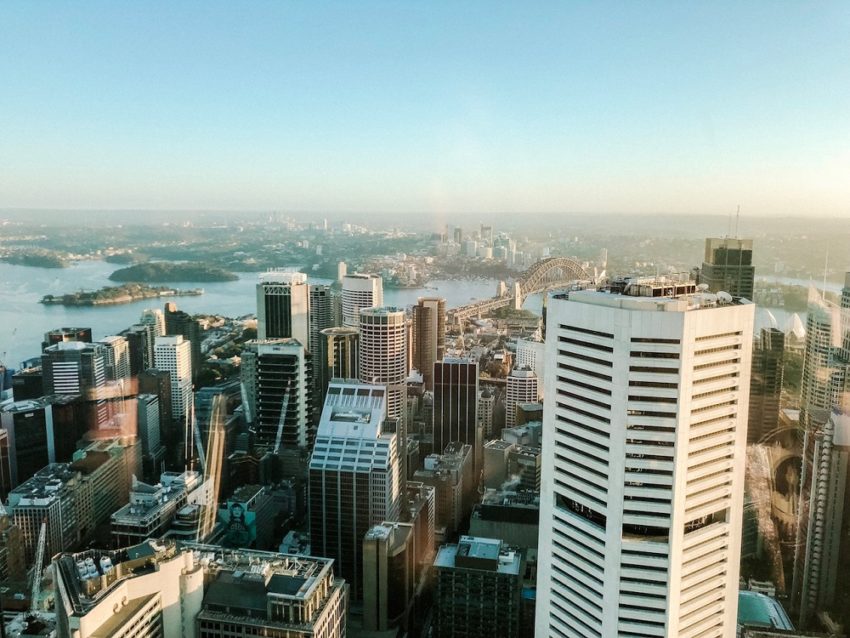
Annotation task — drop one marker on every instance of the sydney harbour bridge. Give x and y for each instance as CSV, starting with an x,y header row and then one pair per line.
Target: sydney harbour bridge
x,y
547,274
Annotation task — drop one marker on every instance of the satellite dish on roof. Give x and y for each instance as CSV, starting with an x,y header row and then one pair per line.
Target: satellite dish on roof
x,y
724,297
702,287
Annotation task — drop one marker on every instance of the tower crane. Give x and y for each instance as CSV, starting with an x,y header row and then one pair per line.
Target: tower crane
x,y
36,569
283,408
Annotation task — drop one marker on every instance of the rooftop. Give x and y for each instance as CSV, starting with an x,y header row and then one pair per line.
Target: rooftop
x,y
659,294
485,554
759,610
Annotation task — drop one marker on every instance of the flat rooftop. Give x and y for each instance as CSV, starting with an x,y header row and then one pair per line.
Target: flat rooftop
x,y
760,610
474,552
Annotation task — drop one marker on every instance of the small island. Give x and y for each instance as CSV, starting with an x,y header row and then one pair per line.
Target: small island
x,y
164,271
112,295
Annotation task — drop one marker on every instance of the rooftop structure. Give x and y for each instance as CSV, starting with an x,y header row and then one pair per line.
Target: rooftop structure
x,y
187,589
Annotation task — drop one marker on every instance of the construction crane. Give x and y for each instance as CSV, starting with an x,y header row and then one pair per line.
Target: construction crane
x,y
36,569
212,468
283,408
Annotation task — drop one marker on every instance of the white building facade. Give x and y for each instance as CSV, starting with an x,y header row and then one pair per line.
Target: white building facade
x,y
360,290
643,463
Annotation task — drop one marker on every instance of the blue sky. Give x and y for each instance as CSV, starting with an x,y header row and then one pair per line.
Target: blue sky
x,y
427,107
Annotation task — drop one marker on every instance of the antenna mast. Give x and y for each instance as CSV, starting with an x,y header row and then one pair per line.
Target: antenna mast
x,y
737,219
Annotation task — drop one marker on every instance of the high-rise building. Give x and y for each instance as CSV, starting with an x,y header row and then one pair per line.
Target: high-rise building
x,y
336,358
174,355
283,306
824,369
277,372
360,290
521,387
530,353
355,476
643,461
382,358
321,315
148,427
821,550
154,317
486,403
452,476
140,338
478,584
389,575
728,266
181,323
170,589
78,368
117,356
341,271
64,335
429,336
766,383
73,498
456,406
5,465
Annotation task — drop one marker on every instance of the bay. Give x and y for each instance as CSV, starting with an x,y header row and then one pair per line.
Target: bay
x,y
23,320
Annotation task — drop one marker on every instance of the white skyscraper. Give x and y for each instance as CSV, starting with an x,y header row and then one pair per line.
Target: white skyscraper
x,y
383,359
521,387
643,462
360,290
117,358
174,355
283,306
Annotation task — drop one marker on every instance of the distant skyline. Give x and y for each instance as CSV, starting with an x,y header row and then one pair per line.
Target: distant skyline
x,y
427,108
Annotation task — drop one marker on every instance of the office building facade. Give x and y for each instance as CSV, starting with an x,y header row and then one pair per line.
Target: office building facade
x,y
360,290
644,436
283,306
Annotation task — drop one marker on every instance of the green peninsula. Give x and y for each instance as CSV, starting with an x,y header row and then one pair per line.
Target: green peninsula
x,y
163,271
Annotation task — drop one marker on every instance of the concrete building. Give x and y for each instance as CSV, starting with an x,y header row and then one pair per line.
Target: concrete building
x,y
74,498
382,358
486,403
151,508
77,368
174,355
175,590
148,428
456,406
140,339
65,335
180,323
283,306
530,354
389,576
512,516
117,358
451,475
337,358
156,318
354,478
429,336
522,387
728,266
274,370
643,461
821,552
766,384
359,291
478,585
40,432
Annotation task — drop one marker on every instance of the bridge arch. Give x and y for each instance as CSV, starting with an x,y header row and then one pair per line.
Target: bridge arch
x,y
550,272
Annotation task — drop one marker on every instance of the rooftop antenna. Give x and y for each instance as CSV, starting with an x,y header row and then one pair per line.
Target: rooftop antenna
x,y
737,219
729,230
825,269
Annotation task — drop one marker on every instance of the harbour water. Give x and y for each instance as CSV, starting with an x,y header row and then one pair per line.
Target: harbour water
x,y
23,320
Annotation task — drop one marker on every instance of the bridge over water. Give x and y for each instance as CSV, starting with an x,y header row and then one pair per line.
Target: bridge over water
x,y
546,274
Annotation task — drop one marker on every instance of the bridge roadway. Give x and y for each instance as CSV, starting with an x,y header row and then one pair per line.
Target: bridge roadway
x,y
546,274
